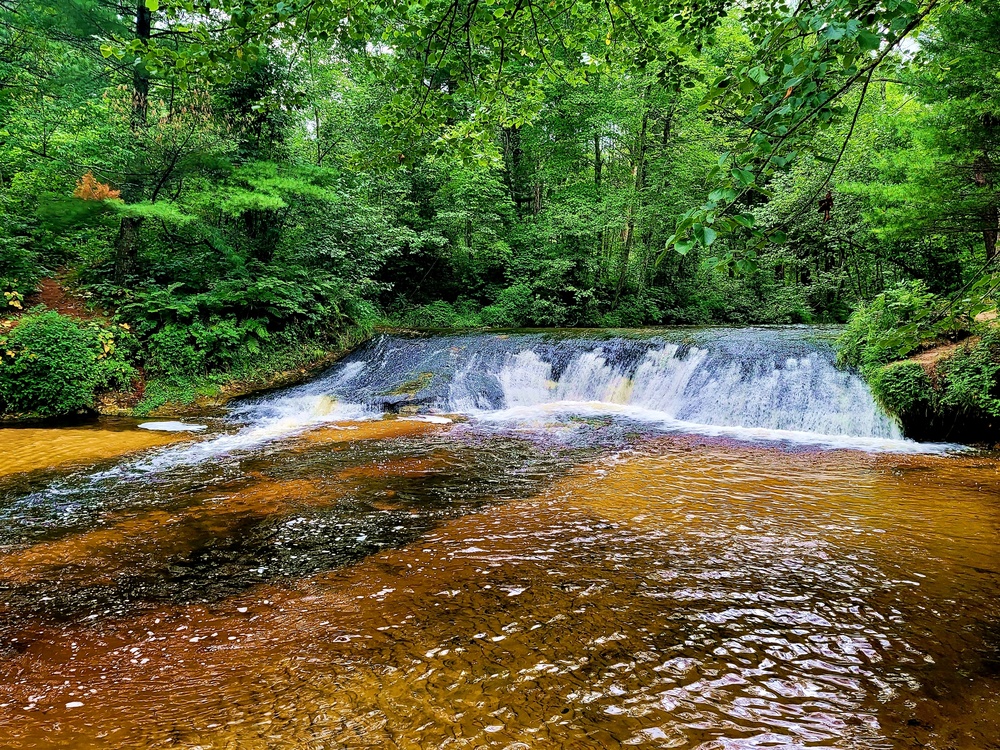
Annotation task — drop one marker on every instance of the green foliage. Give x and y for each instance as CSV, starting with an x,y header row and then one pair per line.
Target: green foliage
x,y
173,354
289,173
872,334
902,387
441,314
971,378
511,308
288,351
19,269
51,365
47,366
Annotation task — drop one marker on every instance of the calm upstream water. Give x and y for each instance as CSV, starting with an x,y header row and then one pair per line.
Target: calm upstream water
x,y
690,539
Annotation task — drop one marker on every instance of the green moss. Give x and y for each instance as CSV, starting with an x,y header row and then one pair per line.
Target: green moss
x,y
412,386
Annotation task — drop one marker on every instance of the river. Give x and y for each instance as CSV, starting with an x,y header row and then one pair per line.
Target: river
x,y
706,539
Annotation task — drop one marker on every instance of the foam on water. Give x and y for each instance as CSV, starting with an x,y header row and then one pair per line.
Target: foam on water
x,y
256,423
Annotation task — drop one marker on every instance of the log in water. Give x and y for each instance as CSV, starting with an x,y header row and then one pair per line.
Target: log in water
x,y
708,540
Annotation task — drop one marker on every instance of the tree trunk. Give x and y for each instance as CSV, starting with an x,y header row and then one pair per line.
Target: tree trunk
x,y
990,231
140,78
983,177
514,172
640,186
598,165
598,175
127,242
125,249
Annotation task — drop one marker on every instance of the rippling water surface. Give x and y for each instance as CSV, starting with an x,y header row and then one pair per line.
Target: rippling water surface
x,y
585,582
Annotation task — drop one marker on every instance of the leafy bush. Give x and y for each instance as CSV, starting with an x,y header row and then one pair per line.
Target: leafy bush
x,y
633,310
172,353
873,334
52,365
441,314
549,313
970,377
511,308
902,387
18,263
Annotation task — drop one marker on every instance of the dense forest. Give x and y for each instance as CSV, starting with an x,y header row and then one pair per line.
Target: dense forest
x,y
193,193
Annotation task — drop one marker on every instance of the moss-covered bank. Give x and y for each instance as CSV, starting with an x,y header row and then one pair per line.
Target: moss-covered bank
x,y
946,393
935,371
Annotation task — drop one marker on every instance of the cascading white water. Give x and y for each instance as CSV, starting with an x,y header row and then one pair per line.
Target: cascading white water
x,y
805,394
758,384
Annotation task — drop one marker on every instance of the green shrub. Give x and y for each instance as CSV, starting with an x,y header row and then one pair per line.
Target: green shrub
x,y
548,313
173,355
441,314
118,348
786,305
48,366
510,309
633,310
872,336
18,274
969,378
901,387
51,365
19,265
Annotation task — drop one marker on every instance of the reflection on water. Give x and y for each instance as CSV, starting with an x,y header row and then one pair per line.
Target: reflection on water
x,y
586,585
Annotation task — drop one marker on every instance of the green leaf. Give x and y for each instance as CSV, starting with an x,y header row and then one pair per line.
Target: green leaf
x,y
869,41
743,177
684,246
705,235
723,194
758,75
153,5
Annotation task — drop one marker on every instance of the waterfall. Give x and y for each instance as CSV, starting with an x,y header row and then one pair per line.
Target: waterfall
x,y
771,384
693,385
768,385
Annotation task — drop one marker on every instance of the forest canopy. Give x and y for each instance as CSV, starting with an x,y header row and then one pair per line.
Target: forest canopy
x,y
230,180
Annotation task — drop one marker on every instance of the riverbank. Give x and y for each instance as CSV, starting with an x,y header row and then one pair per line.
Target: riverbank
x,y
57,365
207,395
948,391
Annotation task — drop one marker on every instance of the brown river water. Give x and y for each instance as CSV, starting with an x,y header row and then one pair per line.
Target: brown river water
x,y
588,584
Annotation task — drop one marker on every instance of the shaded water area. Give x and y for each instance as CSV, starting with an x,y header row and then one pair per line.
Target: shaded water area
x,y
707,539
